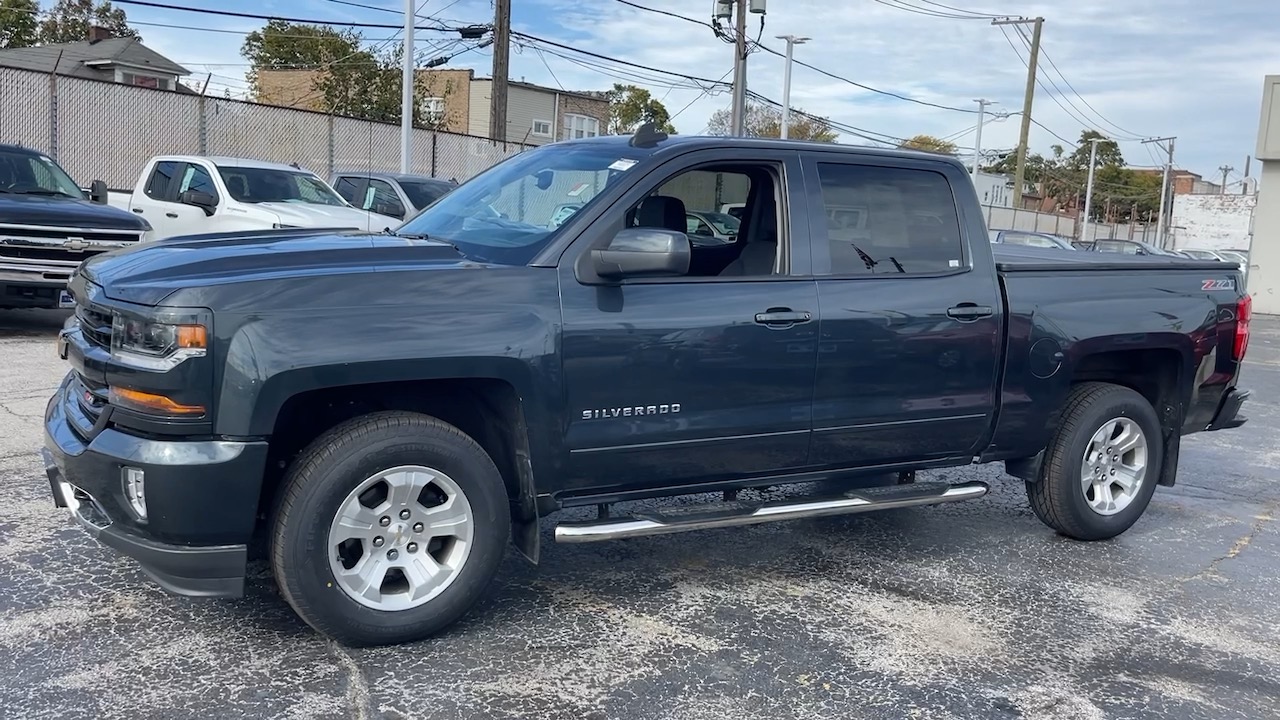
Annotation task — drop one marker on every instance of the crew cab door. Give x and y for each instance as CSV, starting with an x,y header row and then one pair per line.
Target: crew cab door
x,y
705,376
910,316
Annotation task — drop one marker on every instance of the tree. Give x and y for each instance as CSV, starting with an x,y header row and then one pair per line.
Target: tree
x,y
69,21
929,143
765,121
631,106
1108,152
346,78
18,25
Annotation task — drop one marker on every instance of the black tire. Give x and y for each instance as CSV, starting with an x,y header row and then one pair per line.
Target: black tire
x,y
1057,497
334,465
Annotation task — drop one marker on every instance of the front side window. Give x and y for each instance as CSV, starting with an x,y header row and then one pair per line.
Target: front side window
x,y
508,213
259,185
382,199
889,220
1029,240
196,178
422,194
349,189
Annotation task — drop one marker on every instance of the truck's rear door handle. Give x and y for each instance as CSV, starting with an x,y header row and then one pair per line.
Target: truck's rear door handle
x,y
171,215
968,312
783,317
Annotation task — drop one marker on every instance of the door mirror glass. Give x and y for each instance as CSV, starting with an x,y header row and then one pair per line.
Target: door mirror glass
x,y
643,252
202,200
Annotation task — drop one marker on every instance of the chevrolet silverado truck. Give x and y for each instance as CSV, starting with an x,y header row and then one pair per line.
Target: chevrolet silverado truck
x,y
194,195
48,226
388,411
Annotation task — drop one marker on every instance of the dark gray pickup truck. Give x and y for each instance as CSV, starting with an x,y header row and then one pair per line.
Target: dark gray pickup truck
x,y
389,411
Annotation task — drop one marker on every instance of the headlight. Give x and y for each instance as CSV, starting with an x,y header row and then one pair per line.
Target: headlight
x,y
155,345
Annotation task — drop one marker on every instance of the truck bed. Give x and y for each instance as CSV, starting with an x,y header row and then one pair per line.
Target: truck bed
x,y
1022,258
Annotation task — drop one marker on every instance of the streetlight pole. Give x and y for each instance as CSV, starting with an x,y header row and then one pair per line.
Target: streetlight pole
x,y
1088,191
792,41
977,141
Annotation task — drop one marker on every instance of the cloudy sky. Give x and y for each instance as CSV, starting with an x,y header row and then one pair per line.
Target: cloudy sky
x,y
1129,68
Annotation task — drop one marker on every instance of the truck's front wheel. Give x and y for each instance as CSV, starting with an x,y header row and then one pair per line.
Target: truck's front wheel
x,y
390,527
1101,466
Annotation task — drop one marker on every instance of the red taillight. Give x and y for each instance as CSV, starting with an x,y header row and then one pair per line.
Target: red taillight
x,y
1244,311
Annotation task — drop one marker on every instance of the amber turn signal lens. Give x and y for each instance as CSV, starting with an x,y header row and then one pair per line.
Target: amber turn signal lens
x,y
192,336
151,403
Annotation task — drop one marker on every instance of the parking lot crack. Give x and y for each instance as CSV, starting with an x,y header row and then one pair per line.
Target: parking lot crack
x,y
357,686
1239,546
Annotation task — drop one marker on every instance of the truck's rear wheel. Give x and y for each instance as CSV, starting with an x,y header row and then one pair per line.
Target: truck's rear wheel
x,y
390,527
1101,466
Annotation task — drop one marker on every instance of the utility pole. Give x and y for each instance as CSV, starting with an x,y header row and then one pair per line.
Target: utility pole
x,y
1028,97
407,84
1225,169
792,41
1088,190
977,141
1164,184
739,68
501,71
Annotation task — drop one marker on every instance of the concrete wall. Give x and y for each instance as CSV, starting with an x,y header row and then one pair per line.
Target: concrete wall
x,y
1264,255
1213,222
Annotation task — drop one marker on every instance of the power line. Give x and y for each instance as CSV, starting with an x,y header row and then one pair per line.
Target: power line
x,y
801,63
901,5
1052,64
252,16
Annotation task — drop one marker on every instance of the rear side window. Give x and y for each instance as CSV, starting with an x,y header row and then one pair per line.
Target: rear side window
x,y
161,180
889,220
349,189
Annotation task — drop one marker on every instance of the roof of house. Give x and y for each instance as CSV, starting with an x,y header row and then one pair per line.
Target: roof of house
x,y
77,59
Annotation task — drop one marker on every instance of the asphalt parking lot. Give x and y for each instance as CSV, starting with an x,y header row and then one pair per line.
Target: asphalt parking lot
x,y
973,610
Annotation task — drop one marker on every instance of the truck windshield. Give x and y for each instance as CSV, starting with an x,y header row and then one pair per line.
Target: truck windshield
x,y
29,173
258,185
508,213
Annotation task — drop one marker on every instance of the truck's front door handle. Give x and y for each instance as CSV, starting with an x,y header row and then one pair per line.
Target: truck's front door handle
x,y
171,215
968,312
782,317
138,210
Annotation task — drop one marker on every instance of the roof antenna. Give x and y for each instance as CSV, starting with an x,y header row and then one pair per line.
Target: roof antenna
x,y
647,135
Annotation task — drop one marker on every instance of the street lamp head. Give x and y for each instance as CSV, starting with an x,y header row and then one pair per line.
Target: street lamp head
x,y
793,39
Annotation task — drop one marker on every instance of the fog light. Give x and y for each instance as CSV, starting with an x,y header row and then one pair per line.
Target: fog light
x,y
135,490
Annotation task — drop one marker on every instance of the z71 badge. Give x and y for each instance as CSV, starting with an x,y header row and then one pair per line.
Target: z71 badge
x,y
1227,284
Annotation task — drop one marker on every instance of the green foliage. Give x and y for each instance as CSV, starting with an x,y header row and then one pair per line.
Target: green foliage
x,y
929,143
69,21
1063,176
349,79
631,106
19,27
765,121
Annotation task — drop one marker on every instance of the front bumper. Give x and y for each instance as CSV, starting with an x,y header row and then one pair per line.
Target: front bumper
x,y
202,498
1228,415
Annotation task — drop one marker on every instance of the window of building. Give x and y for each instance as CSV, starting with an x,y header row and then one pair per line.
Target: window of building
x,y
148,81
432,109
581,126
889,220
541,128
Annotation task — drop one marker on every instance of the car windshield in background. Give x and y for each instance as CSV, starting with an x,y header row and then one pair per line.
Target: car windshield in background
x,y
422,194
31,174
725,224
508,213
258,185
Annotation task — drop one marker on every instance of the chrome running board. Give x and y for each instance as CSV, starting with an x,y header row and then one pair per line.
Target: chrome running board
x,y
738,512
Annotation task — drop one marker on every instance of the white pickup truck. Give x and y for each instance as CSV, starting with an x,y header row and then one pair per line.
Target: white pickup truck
x,y
190,195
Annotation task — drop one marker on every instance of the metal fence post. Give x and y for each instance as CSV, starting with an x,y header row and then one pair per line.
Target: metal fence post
x,y
53,108
203,125
332,167
435,149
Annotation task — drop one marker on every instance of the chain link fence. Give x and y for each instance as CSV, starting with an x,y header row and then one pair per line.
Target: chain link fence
x,y
107,131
